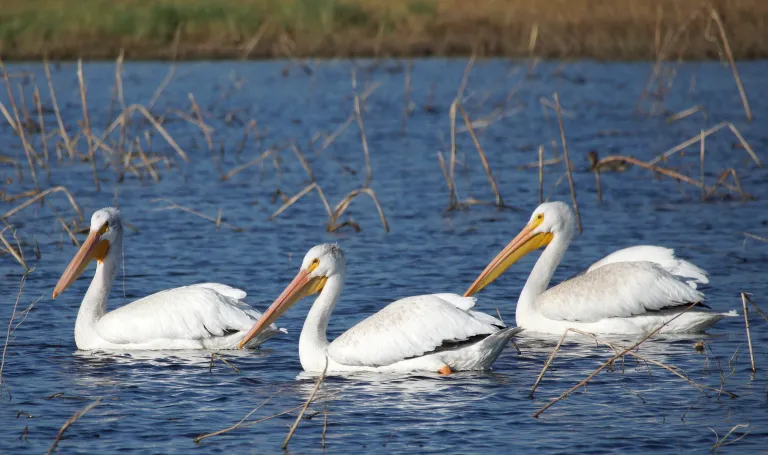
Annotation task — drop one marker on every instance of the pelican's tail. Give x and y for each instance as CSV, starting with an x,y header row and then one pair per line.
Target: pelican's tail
x,y
481,355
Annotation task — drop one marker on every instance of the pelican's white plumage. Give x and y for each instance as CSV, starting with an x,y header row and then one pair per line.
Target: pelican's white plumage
x,y
201,316
436,332
631,291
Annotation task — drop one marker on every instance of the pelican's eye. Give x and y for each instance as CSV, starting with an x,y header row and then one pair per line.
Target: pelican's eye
x,y
313,265
537,220
104,229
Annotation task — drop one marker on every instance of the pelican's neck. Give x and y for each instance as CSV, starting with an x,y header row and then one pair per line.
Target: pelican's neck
x,y
314,339
540,276
94,303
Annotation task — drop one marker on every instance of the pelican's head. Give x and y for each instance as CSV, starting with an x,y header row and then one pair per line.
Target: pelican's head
x,y
320,263
105,230
549,219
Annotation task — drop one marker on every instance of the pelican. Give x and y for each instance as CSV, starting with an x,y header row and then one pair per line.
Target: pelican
x,y
630,292
201,316
436,332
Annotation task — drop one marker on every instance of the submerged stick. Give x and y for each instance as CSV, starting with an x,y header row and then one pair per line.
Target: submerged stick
x,y
548,363
567,162
494,187
363,139
87,123
172,205
238,424
69,422
42,195
541,174
746,324
716,17
752,302
610,361
306,405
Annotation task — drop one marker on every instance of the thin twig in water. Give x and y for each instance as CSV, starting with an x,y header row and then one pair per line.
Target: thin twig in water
x,y
548,363
720,442
16,254
364,140
172,205
749,299
87,123
69,422
609,362
746,324
42,195
716,17
306,405
494,187
567,162
238,424
10,325
541,174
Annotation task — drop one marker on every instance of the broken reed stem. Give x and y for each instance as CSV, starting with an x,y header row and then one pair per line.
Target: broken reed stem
x,y
746,324
10,325
43,137
548,363
266,154
342,206
494,187
62,130
42,195
19,127
172,205
69,422
701,167
610,361
599,187
716,17
306,405
541,174
406,96
16,254
359,118
453,197
638,356
203,126
720,442
650,167
293,200
752,302
707,132
87,124
238,424
567,162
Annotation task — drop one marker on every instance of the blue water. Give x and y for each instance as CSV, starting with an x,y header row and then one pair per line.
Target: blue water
x,y
158,402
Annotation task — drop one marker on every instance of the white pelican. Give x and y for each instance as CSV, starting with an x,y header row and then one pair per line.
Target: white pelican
x,y
435,332
201,316
631,291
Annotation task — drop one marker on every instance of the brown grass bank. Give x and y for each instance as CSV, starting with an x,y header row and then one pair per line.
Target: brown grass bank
x,y
197,29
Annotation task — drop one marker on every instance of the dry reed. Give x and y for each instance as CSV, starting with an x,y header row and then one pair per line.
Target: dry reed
x,y
75,417
174,206
609,362
567,161
306,405
746,325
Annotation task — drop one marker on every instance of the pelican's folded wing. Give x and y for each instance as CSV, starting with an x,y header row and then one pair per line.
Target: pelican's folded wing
x,y
407,328
185,313
621,289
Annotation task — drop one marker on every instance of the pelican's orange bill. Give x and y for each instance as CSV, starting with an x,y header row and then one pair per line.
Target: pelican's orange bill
x,y
523,243
301,286
91,249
